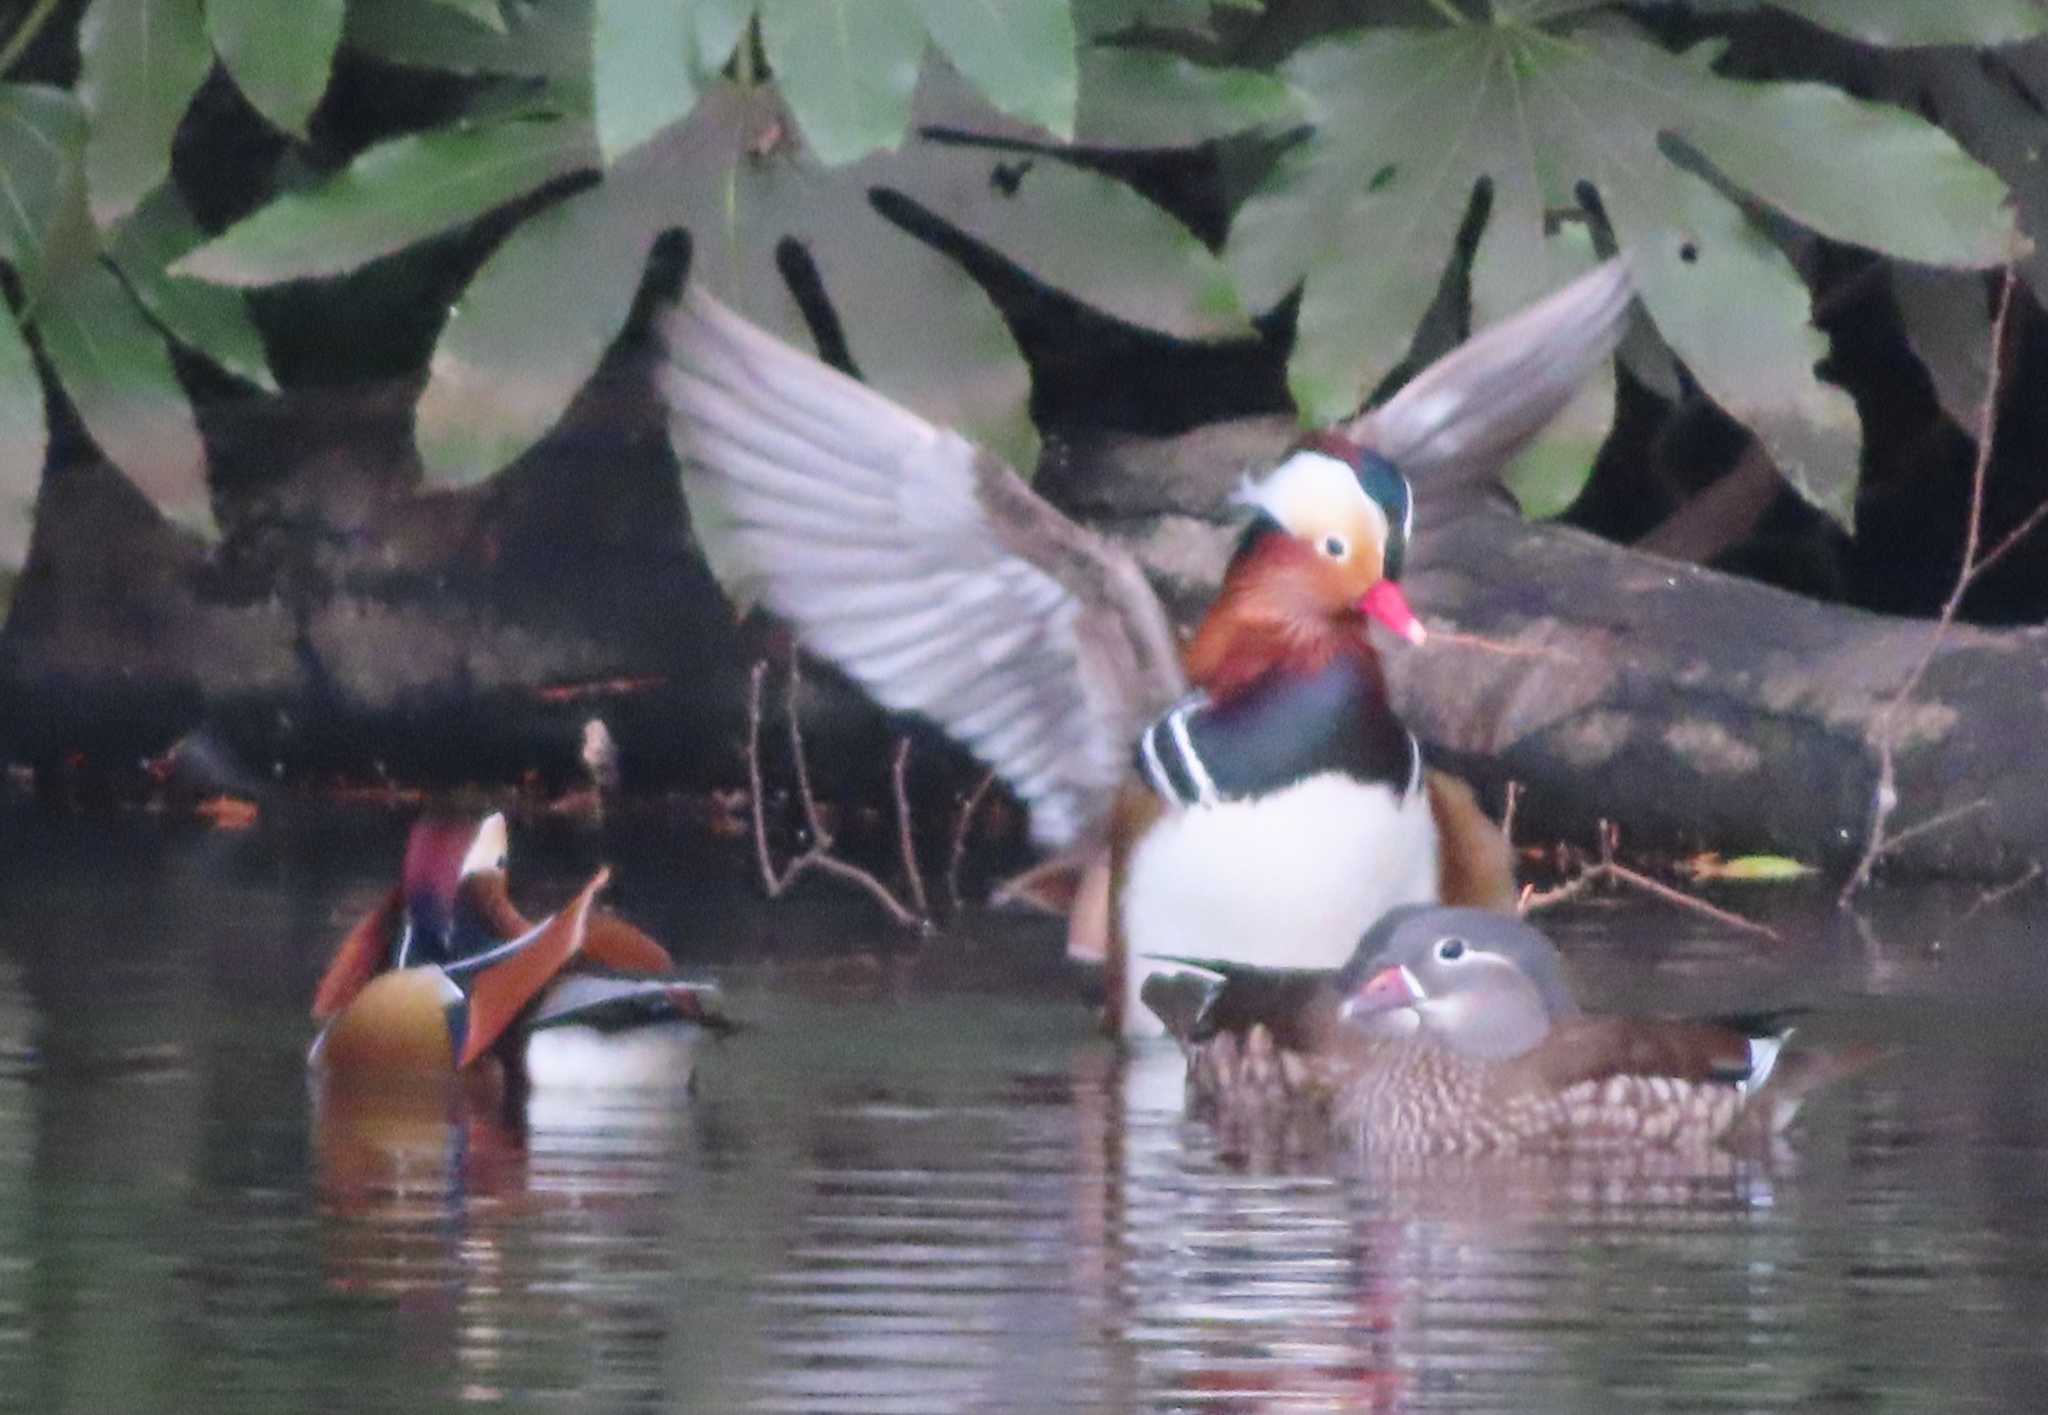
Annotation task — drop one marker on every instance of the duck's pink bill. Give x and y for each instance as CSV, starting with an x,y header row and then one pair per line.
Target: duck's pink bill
x,y
1385,602
1384,991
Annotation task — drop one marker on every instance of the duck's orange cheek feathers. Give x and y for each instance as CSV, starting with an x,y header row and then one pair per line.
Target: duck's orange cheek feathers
x,y
398,1023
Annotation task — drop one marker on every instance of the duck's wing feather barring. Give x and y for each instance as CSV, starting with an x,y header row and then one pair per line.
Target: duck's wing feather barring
x,y
922,565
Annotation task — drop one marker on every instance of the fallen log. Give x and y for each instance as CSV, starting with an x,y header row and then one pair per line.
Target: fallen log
x,y
1695,709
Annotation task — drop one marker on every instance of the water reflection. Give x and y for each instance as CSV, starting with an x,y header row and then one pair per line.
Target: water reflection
x,y
930,1188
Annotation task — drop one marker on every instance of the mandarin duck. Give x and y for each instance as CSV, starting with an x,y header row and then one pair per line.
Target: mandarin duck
x,y
446,974
1256,799
1454,1030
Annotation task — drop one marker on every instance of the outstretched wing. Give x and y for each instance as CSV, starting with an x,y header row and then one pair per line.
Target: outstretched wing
x,y
1459,420
922,565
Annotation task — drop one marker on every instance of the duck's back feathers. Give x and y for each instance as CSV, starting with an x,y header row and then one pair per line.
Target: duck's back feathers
x,y
611,1003
921,564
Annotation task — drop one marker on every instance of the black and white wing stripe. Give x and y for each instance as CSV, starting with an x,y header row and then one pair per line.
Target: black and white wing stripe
x,y
922,565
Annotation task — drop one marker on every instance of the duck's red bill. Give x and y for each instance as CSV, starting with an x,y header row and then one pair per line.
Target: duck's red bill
x,y
1385,602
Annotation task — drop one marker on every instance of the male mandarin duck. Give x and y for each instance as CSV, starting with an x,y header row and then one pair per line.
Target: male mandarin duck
x,y
1454,1030
1256,800
446,973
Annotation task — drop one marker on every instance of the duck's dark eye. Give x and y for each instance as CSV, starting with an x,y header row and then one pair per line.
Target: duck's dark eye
x,y
1334,547
501,861
1450,950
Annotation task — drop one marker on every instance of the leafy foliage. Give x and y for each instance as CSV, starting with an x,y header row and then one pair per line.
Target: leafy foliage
x,y
1408,122
767,128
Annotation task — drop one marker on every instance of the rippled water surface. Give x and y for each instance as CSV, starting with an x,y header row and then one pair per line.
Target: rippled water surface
x,y
925,1185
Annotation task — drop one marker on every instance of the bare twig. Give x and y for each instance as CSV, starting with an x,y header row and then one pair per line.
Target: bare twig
x,y
818,855
2011,887
1609,869
906,843
961,820
1507,814
1884,729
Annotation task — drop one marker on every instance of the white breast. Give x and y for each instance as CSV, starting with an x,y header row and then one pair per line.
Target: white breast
x,y
661,1056
1289,880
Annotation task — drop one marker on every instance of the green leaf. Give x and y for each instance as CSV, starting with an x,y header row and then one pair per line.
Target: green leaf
x,y
643,71
140,62
1019,53
24,443
1988,104
1148,98
1978,23
483,12
394,194
946,353
1516,264
280,53
847,69
207,318
550,41
1369,218
1809,149
1082,233
1106,17
530,330
720,23
113,364
43,221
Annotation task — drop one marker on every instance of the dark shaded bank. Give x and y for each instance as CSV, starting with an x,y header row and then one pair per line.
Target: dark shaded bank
x,y
348,627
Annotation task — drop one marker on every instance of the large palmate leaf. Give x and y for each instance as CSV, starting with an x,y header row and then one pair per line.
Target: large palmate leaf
x,y
140,62
738,175
1409,121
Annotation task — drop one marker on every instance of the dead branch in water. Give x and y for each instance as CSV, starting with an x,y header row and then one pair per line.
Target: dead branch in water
x,y
818,855
1609,869
1884,729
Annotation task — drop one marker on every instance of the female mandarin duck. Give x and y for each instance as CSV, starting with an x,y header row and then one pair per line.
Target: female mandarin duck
x,y
1259,801
446,973
1454,1030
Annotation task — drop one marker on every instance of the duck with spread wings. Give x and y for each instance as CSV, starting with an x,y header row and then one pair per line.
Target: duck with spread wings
x,y
1250,796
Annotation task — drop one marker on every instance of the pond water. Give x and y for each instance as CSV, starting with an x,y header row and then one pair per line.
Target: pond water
x,y
926,1185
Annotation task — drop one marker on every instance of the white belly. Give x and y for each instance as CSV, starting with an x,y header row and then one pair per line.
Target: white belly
x,y
1290,880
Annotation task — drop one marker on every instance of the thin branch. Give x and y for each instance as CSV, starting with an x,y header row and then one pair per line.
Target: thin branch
x,y
1995,896
1933,822
1884,729
769,880
1507,814
818,855
1607,868
2010,540
25,34
906,843
958,852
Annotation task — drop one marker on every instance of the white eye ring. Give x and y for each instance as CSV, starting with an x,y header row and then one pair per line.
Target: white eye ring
x,y
1450,950
1335,548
